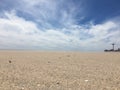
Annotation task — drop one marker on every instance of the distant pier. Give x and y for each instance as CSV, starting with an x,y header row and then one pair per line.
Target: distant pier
x,y
112,50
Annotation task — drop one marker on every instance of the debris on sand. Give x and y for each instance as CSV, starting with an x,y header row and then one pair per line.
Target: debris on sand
x,y
57,83
68,55
10,61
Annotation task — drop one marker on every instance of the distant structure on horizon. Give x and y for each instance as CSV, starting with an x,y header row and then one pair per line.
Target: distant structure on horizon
x,y
112,50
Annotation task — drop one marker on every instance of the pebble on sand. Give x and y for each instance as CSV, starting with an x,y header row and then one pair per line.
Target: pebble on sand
x,y
86,80
38,85
22,88
10,61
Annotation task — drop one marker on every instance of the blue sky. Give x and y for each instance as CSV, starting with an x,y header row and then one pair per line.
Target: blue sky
x,y
72,25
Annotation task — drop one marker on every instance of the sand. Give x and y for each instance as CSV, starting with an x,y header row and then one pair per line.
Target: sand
x,y
33,70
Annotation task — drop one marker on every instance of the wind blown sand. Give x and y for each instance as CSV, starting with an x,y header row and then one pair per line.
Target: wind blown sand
x,y
34,70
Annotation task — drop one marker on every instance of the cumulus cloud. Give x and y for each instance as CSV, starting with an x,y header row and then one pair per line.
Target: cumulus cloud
x,y
19,33
53,25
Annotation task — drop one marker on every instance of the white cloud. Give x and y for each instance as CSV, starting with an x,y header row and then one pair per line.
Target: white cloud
x,y
18,33
50,13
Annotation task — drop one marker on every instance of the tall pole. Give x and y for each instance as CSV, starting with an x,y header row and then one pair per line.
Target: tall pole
x,y
113,45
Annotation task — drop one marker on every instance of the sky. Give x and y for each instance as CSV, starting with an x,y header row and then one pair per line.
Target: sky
x,y
62,25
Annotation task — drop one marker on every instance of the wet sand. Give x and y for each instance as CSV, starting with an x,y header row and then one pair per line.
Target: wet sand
x,y
34,70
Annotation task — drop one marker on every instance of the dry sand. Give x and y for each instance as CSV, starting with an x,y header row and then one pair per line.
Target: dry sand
x,y
32,70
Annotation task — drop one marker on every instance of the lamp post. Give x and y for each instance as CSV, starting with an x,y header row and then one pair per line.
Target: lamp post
x,y
113,46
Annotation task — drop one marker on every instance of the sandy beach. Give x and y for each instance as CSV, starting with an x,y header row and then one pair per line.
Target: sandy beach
x,y
34,70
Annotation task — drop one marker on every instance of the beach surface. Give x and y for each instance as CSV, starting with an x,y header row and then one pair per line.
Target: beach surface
x,y
35,70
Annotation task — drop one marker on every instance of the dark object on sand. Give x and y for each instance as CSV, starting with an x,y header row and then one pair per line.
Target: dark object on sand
x,y
10,61
57,83
68,55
